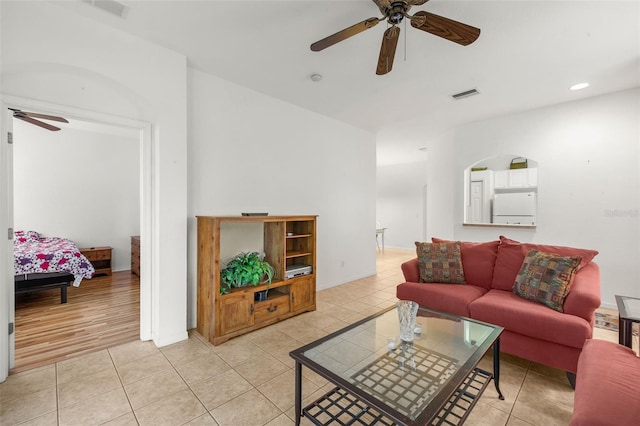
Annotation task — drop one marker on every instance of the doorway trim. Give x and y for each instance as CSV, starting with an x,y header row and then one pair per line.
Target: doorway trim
x,y
145,138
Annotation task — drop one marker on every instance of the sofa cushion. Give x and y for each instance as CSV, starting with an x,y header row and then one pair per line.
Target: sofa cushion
x,y
545,278
606,386
506,309
451,298
511,254
478,261
440,262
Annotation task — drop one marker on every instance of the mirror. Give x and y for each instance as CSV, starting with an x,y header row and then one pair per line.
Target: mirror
x,y
501,191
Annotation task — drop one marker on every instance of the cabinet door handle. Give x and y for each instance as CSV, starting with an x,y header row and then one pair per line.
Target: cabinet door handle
x,y
251,309
293,297
272,308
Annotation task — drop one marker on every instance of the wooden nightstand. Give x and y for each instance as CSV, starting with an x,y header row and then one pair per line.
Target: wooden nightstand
x,y
100,258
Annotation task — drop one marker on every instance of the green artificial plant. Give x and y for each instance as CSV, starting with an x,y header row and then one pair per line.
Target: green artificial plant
x,y
244,269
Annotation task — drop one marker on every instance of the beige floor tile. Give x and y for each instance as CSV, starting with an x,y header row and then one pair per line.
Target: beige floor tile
x,y
72,369
537,410
28,407
175,409
133,351
486,415
514,421
538,386
281,420
128,419
49,419
153,388
510,393
203,420
88,386
260,370
97,410
186,351
249,409
220,389
238,351
281,390
27,382
141,368
204,367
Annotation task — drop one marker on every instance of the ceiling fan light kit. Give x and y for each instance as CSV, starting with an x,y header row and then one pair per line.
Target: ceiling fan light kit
x,y
394,12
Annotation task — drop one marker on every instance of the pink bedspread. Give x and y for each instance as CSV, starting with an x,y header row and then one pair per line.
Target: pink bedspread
x,y
33,254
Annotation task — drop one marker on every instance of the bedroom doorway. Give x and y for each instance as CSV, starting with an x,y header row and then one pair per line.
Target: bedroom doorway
x,y
140,135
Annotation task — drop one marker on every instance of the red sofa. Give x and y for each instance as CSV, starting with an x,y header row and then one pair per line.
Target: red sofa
x,y
606,386
531,330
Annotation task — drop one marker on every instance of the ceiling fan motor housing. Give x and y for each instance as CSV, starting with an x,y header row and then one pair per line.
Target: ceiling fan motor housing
x,y
396,12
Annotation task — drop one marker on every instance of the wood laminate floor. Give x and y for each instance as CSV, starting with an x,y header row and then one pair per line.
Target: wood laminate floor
x,y
102,312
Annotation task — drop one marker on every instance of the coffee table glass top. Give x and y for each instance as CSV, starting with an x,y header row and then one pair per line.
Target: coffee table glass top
x,y
370,360
629,307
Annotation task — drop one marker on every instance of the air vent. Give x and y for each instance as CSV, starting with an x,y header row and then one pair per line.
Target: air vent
x,y
111,6
465,94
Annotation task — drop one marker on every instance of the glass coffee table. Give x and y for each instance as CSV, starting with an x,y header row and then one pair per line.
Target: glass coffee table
x,y
628,313
382,380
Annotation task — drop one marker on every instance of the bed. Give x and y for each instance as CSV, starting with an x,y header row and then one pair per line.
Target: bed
x,y
47,262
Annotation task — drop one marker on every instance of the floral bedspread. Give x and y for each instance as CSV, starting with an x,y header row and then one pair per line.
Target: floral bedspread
x,y
33,254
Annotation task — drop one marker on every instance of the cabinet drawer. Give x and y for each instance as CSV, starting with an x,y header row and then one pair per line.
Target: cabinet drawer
x,y
271,308
97,253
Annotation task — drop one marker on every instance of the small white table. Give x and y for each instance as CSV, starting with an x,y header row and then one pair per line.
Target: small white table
x,y
380,231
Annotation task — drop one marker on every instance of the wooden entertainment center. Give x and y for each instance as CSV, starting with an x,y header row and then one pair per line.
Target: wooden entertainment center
x,y
286,241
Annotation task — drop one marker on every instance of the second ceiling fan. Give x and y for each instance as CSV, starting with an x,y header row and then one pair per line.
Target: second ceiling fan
x,y
394,12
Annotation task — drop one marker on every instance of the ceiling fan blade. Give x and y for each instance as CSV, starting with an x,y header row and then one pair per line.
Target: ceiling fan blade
x,y
383,5
446,28
36,122
388,50
46,117
344,34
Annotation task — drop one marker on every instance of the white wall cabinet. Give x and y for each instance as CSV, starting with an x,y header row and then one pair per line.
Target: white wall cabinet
x,y
516,178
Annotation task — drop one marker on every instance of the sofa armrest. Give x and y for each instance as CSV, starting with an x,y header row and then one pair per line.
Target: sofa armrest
x,y
584,294
411,271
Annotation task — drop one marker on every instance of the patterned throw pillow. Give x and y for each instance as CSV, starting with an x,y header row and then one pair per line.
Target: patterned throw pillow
x,y
545,278
440,262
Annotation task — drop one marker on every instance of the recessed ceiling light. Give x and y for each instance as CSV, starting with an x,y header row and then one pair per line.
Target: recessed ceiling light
x,y
316,77
579,86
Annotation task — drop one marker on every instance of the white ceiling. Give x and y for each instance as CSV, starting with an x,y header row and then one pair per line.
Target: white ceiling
x,y
527,55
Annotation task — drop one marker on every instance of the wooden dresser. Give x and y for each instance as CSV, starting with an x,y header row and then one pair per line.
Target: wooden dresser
x,y
135,255
100,258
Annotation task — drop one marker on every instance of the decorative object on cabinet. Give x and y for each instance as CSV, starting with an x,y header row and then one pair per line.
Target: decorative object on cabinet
x,y
244,269
135,255
518,163
285,241
100,258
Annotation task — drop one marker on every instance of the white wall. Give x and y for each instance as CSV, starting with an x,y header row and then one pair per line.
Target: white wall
x,y
251,152
52,55
588,184
78,184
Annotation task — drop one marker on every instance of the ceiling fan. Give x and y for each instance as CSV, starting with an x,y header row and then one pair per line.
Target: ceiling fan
x,y
30,117
394,12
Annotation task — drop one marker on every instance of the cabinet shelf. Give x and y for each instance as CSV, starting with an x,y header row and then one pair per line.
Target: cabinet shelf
x,y
297,254
224,316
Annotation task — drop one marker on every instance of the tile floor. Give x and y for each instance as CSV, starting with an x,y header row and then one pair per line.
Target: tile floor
x,y
249,380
